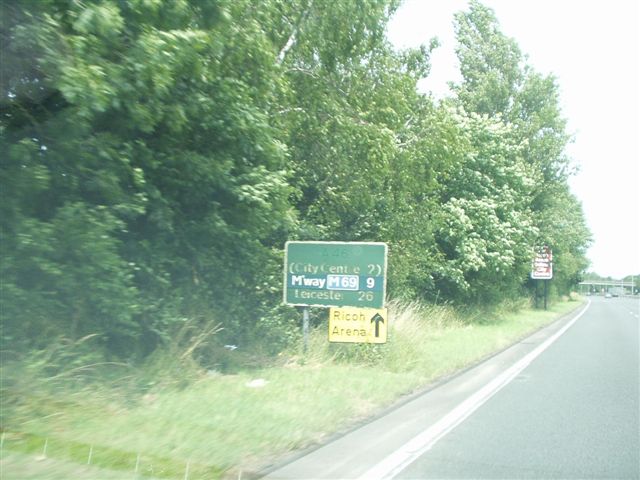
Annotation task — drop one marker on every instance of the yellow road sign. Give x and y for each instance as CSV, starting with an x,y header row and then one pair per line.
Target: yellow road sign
x,y
358,325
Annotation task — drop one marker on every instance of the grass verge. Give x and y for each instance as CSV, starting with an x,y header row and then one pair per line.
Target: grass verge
x,y
221,424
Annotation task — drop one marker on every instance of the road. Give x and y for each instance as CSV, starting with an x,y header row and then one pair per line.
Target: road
x,y
573,413
564,403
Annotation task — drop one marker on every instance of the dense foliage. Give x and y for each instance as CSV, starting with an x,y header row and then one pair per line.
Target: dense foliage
x,y
156,155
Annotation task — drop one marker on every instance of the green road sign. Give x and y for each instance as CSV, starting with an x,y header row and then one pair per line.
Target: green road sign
x,y
335,274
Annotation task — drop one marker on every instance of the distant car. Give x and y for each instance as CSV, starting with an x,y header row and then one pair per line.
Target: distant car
x,y
608,295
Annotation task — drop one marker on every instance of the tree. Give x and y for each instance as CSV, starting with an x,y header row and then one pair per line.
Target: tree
x,y
490,62
152,185
486,228
563,227
497,83
356,130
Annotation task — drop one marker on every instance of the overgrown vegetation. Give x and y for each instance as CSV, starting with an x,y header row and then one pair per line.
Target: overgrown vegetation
x,y
225,423
155,156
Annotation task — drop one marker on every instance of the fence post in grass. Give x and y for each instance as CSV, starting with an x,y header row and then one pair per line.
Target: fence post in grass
x,y
90,455
44,450
137,462
186,472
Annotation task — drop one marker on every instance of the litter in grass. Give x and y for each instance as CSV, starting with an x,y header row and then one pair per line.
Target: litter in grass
x,y
257,383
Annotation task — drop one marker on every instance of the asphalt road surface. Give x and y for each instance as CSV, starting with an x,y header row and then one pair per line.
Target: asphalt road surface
x,y
562,404
573,413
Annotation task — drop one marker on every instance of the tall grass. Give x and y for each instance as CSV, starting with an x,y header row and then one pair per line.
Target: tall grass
x,y
171,412
435,340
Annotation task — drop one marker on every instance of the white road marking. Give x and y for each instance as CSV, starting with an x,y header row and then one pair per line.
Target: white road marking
x,y
397,461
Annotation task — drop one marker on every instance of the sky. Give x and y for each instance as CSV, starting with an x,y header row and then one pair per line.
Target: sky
x,y
593,49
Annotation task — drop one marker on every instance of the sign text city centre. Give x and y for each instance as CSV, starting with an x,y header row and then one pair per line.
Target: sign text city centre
x,y
335,274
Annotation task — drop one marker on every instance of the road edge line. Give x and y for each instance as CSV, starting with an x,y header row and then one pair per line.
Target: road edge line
x,y
397,461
